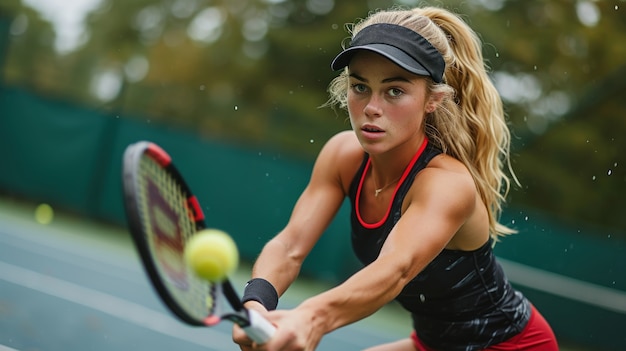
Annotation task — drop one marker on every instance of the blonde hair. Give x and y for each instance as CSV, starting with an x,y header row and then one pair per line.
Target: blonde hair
x,y
469,125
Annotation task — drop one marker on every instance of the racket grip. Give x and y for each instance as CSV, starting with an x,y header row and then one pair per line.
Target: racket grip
x,y
260,329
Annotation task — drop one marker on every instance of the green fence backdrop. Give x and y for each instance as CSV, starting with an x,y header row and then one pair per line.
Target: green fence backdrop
x,y
71,157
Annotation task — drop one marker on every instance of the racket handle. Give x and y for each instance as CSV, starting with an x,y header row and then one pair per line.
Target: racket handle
x,y
260,329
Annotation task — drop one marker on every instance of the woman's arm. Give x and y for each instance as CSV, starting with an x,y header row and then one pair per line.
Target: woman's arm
x,y
436,207
281,258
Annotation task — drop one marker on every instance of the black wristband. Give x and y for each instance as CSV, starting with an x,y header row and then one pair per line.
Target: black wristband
x,y
262,291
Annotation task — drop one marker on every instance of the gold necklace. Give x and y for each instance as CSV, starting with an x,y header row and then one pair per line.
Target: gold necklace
x,y
377,191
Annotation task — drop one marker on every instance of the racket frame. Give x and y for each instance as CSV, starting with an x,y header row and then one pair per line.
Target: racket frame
x,y
257,328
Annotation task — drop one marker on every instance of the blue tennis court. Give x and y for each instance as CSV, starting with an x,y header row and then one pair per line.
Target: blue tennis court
x,y
76,285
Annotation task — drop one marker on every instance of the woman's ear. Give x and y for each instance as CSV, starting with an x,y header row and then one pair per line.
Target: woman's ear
x,y
433,102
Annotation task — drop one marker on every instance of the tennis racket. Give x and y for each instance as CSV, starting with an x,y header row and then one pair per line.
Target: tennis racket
x,y
163,214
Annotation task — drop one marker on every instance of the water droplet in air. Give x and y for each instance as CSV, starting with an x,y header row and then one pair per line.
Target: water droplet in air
x,y
236,107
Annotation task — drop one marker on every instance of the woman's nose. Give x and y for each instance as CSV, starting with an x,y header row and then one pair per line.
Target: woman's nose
x,y
373,107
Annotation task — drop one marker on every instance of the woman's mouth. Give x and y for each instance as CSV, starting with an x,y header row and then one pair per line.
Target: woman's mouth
x,y
371,129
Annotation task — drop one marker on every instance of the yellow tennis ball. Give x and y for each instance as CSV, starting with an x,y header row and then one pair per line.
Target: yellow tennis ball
x,y
44,214
212,254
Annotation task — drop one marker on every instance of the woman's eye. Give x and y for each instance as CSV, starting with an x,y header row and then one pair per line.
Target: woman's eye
x,y
394,92
359,88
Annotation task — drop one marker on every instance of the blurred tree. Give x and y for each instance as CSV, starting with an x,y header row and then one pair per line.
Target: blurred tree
x,y
31,58
255,72
561,74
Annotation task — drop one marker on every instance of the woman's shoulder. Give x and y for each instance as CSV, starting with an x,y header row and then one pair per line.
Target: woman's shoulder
x,y
448,164
344,145
346,138
447,187
446,174
343,153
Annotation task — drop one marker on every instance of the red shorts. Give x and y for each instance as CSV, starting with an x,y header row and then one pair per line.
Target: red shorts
x,y
537,335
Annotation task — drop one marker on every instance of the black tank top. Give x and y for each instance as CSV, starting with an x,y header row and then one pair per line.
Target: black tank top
x,y
462,299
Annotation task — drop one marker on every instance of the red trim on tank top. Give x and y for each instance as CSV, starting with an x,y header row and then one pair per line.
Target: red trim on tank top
x,y
407,170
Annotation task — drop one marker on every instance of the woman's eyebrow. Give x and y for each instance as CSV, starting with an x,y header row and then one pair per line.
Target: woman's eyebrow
x,y
357,77
396,79
386,80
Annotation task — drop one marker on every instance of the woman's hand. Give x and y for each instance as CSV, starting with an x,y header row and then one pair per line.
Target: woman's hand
x,y
296,330
239,335
241,338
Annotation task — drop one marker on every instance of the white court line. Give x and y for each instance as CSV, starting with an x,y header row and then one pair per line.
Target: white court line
x,y
114,306
6,348
560,285
26,232
102,266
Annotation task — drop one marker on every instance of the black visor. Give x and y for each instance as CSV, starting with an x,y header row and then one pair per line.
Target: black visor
x,y
406,48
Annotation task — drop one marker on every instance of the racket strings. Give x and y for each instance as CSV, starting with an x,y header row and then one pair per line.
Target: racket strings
x,y
168,222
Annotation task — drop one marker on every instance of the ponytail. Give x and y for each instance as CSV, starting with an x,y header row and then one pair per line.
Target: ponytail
x,y
481,115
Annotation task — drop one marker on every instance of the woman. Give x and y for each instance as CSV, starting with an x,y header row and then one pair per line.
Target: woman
x,y
423,168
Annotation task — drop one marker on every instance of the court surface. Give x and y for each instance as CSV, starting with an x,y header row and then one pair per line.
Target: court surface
x,y
76,285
